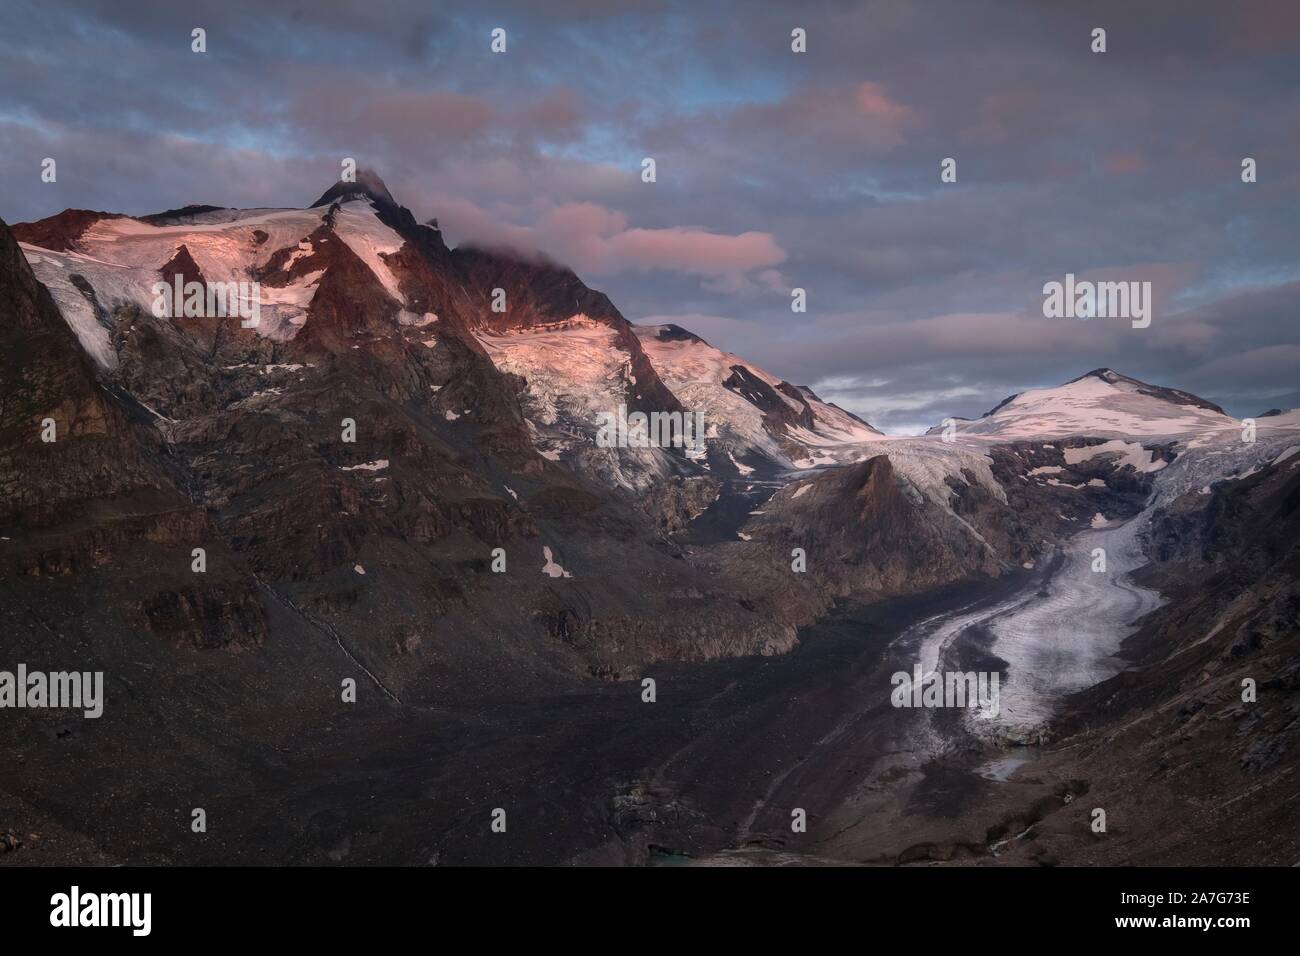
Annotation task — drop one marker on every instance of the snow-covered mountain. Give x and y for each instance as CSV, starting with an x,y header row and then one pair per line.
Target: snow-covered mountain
x,y
355,272
580,367
115,261
579,359
574,372
1102,403
360,452
756,412
1104,417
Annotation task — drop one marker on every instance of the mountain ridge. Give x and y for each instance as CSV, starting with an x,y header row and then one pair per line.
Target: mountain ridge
x,y
528,277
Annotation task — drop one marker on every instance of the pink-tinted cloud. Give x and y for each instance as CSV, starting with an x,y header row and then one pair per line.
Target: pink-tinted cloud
x,y
1001,333
691,249
874,103
595,240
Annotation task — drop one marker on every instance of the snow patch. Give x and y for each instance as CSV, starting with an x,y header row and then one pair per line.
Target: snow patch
x,y
743,469
1127,453
551,568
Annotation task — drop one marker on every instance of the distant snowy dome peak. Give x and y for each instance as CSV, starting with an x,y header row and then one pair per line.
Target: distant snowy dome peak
x,y
1102,403
1126,383
368,186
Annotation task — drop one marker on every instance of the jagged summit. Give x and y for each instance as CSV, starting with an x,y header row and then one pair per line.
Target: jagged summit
x,y
755,409
368,186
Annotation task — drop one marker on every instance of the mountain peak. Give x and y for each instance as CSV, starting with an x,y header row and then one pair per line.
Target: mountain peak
x,y
1101,403
367,186
1175,396
1108,375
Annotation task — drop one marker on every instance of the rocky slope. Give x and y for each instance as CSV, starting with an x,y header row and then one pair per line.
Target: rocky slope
x,y
760,420
369,332
1194,750
86,487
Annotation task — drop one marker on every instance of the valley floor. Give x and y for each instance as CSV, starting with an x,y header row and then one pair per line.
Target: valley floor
x,y
709,773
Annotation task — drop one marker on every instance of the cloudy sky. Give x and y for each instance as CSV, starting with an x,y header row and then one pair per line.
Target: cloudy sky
x,y
775,169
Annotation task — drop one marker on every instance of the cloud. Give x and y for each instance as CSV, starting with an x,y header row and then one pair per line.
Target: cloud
x,y
1267,368
874,103
776,169
597,241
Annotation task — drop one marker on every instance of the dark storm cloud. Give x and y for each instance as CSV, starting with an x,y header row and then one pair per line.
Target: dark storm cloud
x,y
818,170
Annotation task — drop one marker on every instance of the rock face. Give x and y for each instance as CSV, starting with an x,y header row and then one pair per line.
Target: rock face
x,y
96,501
850,521
63,441
377,436
367,187
61,232
540,293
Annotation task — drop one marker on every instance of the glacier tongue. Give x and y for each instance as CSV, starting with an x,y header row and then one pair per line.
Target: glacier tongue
x,y
1062,636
